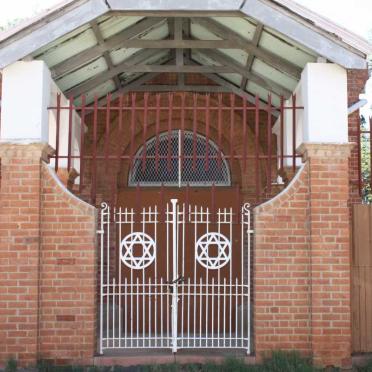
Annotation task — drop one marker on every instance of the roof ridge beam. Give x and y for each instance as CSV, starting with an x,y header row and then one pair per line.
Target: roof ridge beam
x,y
109,44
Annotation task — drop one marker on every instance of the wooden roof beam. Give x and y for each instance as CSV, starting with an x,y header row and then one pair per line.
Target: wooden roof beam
x,y
251,57
260,80
249,46
106,54
109,44
136,59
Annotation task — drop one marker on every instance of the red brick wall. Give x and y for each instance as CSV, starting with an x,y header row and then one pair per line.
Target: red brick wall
x,y
330,252
302,261
19,251
47,263
282,270
68,274
356,80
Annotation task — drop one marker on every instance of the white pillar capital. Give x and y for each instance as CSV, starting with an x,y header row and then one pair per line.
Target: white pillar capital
x,y
324,94
26,92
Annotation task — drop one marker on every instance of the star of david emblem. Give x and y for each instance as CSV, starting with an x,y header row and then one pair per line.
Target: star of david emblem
x,y
128,246
216,240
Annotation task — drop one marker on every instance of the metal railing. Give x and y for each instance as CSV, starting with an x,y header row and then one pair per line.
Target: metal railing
x,y
84,141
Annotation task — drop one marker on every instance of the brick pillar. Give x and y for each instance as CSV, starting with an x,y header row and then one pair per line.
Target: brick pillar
x,y
329,232
20,198
356,81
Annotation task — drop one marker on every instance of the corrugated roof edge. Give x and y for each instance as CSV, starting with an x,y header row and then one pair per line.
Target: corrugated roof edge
x,y
348,37
353,40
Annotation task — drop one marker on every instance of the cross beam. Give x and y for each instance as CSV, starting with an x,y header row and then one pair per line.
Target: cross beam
x,y
237,40
109,44
260,80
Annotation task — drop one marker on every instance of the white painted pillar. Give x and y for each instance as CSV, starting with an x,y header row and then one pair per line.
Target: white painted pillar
x,y
26,92
324,94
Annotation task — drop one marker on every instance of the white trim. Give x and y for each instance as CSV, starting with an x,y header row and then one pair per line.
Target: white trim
x,y
264,11
49,30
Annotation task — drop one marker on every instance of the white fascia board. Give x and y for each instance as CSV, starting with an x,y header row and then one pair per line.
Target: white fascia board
x,y
175,5
27,43
288,25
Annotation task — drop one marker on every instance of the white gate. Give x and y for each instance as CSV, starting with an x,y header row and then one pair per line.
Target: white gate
x,y
178,279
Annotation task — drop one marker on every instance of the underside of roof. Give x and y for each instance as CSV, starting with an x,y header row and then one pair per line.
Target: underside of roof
x,y
118,52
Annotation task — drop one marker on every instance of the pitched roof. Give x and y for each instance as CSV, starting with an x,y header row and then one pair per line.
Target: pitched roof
x,y
92,45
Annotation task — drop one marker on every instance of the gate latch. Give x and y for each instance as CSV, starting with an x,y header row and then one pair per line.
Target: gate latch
x,y
179,280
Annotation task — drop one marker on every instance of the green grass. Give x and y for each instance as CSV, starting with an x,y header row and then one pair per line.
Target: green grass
x,y
278,362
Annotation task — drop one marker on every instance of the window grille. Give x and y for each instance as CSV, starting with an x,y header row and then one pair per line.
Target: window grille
x,y
179,170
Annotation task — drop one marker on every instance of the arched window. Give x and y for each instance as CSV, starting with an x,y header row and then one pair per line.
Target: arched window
x,y
175,172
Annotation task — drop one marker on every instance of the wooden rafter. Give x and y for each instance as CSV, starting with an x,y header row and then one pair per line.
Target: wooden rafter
x,y
260,80
251,56
106,54
109,44
240,43
134,63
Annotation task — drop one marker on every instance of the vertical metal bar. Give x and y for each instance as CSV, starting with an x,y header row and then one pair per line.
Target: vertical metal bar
x,y
132,127
113,311
121,102
244,134
232,121
156,220
249,232
207,122
219,130
108,273
183,221
132,217
167,221
175,274
294,133
212,330
70,112
101,232
144,219
107,132
194,283
145,117
82,137
237,192
170,112
58,122
219,285
231,215
179,159
120,279
257,148
183,101
269,135
194,123
150,313
94,152
157,129
213,202
281,132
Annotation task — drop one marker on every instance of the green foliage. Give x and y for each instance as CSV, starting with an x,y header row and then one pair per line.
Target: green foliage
x,y
366,161
287,362
11,365
367,368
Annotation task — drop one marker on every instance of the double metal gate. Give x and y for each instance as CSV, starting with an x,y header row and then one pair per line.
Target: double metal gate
x,y
175,278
